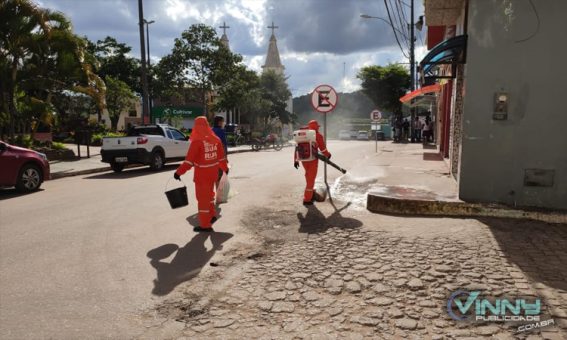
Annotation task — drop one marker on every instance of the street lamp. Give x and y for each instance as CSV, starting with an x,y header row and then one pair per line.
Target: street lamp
x,y
366,16
148,23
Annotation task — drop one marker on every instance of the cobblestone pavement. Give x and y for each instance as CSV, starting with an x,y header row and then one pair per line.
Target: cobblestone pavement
x,y
368,283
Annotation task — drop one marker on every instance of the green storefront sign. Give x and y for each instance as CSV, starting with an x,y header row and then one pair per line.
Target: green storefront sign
x,y
181,111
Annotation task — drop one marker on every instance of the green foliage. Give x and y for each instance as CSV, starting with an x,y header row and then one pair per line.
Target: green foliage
x,y
58,146
25,141
198,60
96,139
385,85
118,99
258,98
275,90
40,58
113,60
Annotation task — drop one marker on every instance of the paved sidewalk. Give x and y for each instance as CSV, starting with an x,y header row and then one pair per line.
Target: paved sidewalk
x,y
412,179
84,165
405,171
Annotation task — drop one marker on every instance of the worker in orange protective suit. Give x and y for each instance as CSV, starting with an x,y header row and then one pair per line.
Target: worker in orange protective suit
x,y
311,165
206,155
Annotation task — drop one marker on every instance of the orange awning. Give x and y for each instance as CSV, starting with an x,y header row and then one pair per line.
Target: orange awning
x,y
421,91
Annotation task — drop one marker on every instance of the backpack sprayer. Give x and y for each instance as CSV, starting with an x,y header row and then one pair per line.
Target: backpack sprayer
x,y
307,148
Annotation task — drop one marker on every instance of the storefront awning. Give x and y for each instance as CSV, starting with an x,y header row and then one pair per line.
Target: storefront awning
x,y
420,92
450,52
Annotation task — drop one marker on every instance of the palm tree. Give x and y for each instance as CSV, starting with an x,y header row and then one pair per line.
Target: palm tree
x,y
22,21
41,56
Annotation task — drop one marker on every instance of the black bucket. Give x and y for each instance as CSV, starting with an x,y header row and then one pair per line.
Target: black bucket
x,y
177,197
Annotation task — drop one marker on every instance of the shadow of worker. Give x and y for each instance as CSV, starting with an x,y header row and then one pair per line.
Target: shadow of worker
x,y
315,222
187,263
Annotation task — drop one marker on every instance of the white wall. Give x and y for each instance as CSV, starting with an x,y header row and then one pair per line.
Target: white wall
x,y
496,153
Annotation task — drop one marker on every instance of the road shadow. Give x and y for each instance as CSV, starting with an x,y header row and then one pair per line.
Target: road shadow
x,y
432,156
193,220
132,173
13,193
537,248
187,263
315,221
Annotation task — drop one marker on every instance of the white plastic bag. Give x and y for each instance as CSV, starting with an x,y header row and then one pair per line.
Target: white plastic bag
x,y
223,189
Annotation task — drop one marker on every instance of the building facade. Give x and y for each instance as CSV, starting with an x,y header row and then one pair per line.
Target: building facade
x,y
501,115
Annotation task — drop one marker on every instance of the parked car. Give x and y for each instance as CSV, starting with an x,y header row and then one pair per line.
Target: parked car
x,y
362,135
151,145
23,168
353,134
344,135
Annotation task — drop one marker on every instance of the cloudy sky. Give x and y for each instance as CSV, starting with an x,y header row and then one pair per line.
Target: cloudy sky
x,y
315,37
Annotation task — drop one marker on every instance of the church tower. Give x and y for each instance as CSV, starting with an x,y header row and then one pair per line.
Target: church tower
x,y
224,38
274,63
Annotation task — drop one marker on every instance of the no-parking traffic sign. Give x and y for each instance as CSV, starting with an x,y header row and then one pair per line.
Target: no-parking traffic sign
x,y
324,98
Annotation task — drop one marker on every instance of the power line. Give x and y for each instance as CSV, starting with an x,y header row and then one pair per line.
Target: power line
x,y
394,29
401,20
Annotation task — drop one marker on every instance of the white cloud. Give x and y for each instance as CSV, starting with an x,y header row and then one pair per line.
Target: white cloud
x,y
252,13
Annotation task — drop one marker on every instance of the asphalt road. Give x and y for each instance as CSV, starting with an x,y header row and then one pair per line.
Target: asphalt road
x,y
74,257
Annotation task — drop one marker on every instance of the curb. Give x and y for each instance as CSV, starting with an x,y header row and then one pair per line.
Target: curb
x,y
410,207
63,174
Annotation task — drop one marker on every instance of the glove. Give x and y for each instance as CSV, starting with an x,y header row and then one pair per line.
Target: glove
x,y
176,176
227,170
296,165
329,157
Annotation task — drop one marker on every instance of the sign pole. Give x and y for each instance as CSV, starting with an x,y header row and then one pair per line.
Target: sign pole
x,y
324,99
376,138
325,133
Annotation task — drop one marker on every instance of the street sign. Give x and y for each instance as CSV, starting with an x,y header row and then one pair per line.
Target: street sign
x,y
324,98
375,115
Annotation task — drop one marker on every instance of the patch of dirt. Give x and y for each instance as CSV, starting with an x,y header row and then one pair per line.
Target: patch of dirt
x,y
272,226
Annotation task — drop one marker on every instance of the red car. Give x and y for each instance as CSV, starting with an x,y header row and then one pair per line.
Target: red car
x,y
23,168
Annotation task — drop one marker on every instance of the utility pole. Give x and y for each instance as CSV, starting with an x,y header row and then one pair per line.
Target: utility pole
x,y
344,76
145,108
148,23
412,65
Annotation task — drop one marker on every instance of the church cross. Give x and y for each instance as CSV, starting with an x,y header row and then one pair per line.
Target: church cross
x,y
273,27
224,27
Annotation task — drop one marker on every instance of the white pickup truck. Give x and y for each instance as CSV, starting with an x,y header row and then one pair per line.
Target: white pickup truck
x,y
152,145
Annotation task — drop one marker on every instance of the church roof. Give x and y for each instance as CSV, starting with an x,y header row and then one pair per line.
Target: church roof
x,y
224,41
273,57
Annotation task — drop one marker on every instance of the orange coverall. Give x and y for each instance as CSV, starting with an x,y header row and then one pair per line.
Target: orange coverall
x,y
312,166
206,155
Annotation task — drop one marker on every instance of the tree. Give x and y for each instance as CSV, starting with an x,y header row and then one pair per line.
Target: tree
x,y
385,85
40,58
21,24
275,90
113,60
118,98
198,61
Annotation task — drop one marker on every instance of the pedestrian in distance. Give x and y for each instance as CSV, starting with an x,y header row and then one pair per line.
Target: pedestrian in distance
x,y
406,127
305,153
416,135
206,155
219,130
398,125
426,130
